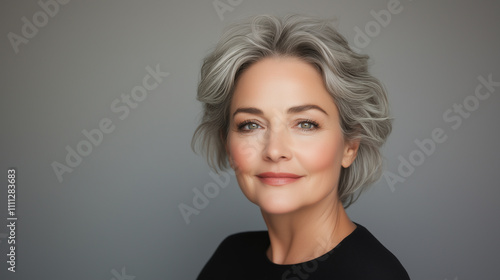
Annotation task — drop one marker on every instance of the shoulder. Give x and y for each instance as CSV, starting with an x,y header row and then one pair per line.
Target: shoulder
x,y
366,242
233,253
367,256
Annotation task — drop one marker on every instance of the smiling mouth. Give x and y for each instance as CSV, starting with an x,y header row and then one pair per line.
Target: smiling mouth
x,y
278,179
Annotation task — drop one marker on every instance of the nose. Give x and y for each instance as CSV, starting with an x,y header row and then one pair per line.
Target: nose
x,y
277,144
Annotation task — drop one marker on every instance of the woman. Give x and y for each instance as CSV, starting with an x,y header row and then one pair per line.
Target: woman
x,y
300,120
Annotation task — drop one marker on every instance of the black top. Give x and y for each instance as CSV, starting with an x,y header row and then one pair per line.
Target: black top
x,y
359,256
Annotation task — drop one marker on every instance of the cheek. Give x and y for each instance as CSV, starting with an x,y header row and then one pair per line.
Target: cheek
x,y
242,152
323,154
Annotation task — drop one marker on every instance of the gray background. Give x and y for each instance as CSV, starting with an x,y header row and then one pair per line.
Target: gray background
x,y
118,209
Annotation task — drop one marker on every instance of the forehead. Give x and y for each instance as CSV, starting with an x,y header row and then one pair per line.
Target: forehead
x,y
278,83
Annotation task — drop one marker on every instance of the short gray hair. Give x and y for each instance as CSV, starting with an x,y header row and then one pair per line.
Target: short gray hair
x,y
360,98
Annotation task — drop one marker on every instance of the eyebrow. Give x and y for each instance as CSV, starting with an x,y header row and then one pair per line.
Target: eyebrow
x,y
291,110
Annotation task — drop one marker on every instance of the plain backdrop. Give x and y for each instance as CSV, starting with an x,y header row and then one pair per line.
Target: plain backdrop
x,y
69,68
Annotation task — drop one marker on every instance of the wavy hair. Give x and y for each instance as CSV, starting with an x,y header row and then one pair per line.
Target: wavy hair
x,y
360,98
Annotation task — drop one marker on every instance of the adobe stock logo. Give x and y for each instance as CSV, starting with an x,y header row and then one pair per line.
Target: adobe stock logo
x,y
30,28
225,6
201,197
121,275
454,117
372,29
309,267
121,106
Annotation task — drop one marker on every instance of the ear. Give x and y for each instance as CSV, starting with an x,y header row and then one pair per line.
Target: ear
x,y
350,152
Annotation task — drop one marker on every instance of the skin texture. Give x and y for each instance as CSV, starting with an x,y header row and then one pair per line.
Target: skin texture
x,y
305,218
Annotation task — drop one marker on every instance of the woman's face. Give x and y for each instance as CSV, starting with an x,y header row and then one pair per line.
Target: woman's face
x,y
283,120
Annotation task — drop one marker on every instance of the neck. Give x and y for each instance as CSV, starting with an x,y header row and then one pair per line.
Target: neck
x,y
307,233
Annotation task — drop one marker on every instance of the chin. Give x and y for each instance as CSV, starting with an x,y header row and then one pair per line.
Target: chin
x,y
277,204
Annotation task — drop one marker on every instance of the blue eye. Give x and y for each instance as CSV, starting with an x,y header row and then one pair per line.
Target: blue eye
x,y
251,125
304,125
308,125
247,126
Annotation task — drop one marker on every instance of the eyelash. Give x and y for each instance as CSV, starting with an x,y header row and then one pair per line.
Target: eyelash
x,y
246,122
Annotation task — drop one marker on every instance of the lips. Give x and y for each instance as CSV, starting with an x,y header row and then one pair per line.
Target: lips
x,y
278,175
278,179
